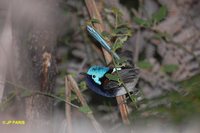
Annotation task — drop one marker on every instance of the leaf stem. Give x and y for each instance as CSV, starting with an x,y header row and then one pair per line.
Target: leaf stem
x,y
122,82
43,93
56,97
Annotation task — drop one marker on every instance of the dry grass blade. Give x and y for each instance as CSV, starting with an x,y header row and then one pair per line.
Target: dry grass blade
x,y
123,109
67,106
76,89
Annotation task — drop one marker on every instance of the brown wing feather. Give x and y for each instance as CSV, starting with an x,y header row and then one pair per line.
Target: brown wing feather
x,y
127,75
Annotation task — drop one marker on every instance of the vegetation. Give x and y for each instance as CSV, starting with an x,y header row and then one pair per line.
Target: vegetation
x,y
51,59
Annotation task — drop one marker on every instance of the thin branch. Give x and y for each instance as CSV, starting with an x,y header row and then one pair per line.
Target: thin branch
x,y
67,106
122,82
123,109
84,103
56,97
94,13
42,93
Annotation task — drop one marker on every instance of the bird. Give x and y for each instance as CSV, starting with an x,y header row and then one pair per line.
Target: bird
x,y
96,76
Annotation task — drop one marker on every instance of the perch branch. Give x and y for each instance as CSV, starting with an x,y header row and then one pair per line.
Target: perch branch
x,y
94,13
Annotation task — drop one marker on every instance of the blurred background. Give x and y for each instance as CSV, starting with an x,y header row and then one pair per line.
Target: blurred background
x,y
43,41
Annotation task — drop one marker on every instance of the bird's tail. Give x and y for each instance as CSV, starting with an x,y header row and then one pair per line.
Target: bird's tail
x,y
101,40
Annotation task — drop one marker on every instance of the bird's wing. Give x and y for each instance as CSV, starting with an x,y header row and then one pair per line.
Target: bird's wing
x,y
127,75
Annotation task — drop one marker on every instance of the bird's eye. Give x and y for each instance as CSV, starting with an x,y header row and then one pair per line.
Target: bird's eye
x,y
93,76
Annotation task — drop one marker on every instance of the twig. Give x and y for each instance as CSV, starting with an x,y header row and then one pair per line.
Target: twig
x,y
94,13
42,93
84,103
67,106
123,84
123,109
56,97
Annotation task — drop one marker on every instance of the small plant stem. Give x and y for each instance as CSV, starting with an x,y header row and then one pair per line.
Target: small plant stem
x,y
90,115
67,106
123,108
94,13
43,93
56,97
4,103
122,82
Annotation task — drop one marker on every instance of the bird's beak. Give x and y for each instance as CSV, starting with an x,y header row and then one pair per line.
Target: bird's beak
x,y
83,73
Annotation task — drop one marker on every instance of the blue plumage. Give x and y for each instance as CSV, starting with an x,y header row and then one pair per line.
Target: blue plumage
x,y
98,82
97,72
97,88
96,75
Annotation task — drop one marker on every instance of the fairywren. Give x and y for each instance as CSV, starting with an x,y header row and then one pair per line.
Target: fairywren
x,y
97,80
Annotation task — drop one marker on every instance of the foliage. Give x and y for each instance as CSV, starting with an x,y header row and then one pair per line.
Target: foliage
x,y
113,77
155,18
94,20
85,109
120,31
83,85
177,106
144,64
170,68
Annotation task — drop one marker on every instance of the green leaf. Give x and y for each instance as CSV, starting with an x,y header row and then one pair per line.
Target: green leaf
x,y
134,98
158,36
112,77
94,20
106,34
170,68
83,85
144,64
122,30
160,14
121,62
73,97
116,11
119,43
162,35
123,39
85,109
116,46
107,10
142,22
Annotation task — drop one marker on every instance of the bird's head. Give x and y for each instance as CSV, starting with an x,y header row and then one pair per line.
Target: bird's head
x,y
97,72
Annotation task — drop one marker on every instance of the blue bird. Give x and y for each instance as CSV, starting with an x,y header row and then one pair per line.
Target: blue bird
x,y
98,82
96,75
